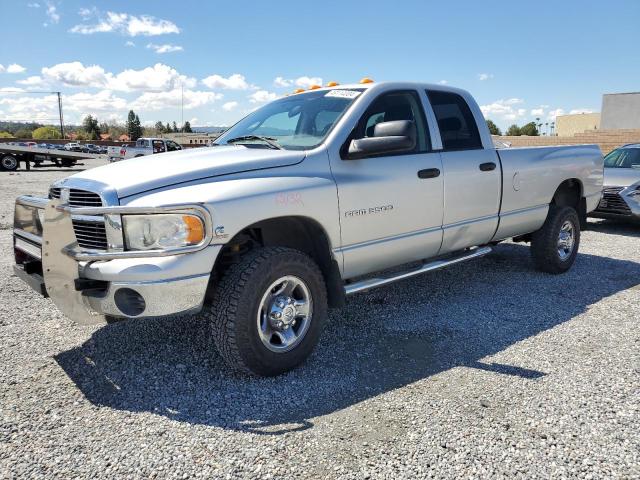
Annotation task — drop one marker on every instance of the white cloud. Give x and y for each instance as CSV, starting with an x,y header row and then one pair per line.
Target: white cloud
x,y
282,82
165,48
52,14
262,96
87,12
160,77
229,106
88,103
233,82
504,109
153,101
127,24
32,81
33,5
555,113
15,68
129,43
1,68
485,76
306,82
442,82
537,112
75,74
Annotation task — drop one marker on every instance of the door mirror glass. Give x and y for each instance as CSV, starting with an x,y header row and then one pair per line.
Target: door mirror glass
x,y
397,136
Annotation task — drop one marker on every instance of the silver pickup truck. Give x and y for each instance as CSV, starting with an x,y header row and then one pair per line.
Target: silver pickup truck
x,y
143,146
309,199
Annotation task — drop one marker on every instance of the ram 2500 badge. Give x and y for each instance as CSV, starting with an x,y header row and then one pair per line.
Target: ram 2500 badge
x,y
309,199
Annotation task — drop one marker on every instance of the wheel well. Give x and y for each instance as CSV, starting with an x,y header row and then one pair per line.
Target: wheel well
x,y
300,233
569,194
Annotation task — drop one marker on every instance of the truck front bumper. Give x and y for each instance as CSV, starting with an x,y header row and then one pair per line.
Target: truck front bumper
x,y
88,286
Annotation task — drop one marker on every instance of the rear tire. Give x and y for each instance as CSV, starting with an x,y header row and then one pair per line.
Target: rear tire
x,y
9,163
257,317
554,247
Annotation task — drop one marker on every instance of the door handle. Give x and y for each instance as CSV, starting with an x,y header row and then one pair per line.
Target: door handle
x,y
487,167
429,173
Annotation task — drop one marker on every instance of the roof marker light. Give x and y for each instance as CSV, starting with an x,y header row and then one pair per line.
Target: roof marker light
x,y
298,90
332,84
314,87
366,80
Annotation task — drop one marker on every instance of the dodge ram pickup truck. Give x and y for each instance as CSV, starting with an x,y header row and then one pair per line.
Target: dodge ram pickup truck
x,y
143,146
308,199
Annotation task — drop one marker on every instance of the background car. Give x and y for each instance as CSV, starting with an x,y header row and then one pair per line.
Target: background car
x,y
621,190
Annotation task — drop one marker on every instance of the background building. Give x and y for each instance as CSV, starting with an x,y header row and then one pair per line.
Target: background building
x,y
620,111
569,125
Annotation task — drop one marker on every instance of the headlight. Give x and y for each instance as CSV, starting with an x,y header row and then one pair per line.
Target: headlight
x,y
162,231
635,193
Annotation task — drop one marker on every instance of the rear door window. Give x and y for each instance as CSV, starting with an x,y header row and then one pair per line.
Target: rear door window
x,y
457,126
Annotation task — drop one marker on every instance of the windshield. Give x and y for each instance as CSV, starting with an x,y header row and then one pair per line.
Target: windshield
x,y
297,122
623,158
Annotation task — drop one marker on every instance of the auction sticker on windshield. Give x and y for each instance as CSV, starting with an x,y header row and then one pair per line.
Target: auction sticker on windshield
x,y
343,93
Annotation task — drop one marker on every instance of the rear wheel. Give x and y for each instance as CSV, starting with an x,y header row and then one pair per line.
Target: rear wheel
x,y
268,311
554,247
9,162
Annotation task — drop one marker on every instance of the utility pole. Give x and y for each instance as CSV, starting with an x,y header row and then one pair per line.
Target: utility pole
x,y
182,108
60,114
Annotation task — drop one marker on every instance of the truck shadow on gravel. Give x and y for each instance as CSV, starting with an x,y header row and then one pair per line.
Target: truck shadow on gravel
x,y
616,227
382,340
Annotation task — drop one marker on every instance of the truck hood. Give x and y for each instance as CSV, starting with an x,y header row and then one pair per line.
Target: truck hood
x,y
621,177
137,175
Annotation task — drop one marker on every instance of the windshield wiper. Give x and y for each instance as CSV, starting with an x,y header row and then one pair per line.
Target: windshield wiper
x,y
271,141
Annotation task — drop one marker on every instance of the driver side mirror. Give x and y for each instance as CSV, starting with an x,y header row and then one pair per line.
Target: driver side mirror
x,y
388,137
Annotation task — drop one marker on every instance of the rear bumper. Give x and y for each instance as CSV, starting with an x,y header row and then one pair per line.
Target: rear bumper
x,y
89,285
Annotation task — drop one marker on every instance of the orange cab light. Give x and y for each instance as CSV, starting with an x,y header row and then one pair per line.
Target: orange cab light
x,y
314,87
366,80
332,84
298,90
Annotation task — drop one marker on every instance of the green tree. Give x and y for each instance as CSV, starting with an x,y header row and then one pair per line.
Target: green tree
x,y
6,135
23,133
187,127
133,126
167,128
175,128
91,126
493,128
159,127
45,133
514,131
529,129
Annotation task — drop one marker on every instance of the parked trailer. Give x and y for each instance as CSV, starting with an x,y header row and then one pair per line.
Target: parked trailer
x,y
12,155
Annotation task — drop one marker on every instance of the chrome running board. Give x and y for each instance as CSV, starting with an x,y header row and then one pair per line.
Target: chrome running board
x,y
427,267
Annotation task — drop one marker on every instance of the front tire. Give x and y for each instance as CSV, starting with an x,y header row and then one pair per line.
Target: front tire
x,y
268,311
555,246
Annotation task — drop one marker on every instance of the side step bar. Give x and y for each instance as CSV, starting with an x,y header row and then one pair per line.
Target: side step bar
x,y
427,267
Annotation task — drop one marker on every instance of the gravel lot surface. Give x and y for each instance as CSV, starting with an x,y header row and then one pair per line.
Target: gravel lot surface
x,y
484,369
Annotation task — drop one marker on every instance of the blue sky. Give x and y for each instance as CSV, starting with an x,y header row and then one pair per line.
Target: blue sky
x,y
520,60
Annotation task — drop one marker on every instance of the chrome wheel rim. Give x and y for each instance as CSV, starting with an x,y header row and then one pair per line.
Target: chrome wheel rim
x,y
566,240
284,314
9,162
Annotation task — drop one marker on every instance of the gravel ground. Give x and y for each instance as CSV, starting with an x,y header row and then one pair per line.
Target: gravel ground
x,y
484,369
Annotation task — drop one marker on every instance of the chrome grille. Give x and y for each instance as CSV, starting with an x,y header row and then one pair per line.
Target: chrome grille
x,y
82,198
90,231
90,234
612,202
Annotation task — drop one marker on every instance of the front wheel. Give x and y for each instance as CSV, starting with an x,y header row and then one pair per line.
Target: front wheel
x,y
268,311
554,247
